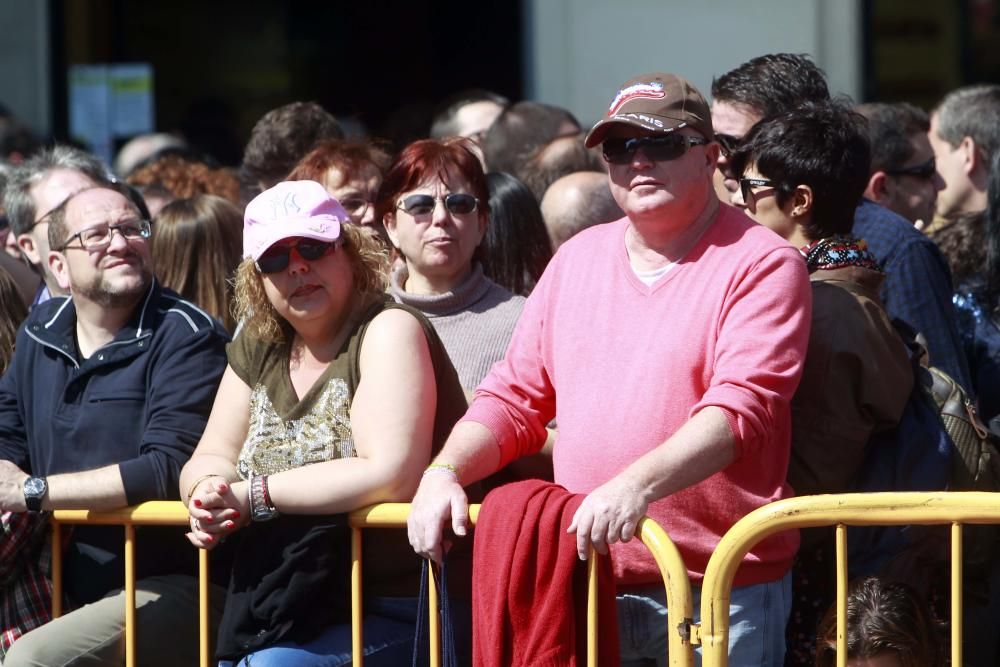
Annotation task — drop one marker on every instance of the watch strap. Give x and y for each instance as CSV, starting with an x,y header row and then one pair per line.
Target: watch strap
x,y
261,507
35,489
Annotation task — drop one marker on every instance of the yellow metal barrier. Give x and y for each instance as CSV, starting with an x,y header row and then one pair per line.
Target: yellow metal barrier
x,y
388,515
860,509
156,513
668,559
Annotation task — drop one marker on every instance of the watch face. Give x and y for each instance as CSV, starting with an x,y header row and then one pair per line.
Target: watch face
x,y
34,486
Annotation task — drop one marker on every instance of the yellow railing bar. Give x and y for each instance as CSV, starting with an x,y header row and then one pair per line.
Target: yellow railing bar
x,y
357,635
389,515
592,608
433,620
956,593
857,509
57,551
153,513
841,595
129,595
681,632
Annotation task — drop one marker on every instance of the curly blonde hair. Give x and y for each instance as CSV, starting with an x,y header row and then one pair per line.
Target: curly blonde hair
x,y
370,269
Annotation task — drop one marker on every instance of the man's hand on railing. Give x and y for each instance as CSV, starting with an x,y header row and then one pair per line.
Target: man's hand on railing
x,y
609,514
217,510
439,498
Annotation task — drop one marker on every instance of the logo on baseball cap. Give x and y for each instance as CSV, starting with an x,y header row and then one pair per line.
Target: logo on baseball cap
x,y
657,102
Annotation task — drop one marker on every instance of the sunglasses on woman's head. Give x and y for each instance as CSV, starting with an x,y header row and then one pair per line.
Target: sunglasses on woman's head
x,y
657,149
277,257
457,203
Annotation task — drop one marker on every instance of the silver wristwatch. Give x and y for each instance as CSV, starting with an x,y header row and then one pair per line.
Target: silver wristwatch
x,y
261,508
35,489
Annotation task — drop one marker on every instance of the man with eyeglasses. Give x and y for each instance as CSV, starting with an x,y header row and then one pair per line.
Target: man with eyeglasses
x,y
669,343
903,176
106,398
33,190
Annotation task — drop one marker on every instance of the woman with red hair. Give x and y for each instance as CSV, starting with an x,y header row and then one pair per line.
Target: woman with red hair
x,y
434,203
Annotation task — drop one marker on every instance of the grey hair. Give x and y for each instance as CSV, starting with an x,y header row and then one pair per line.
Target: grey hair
x,y
971,111
17,197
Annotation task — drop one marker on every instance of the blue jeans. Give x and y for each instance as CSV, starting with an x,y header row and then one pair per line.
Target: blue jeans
x,y
757,618
389,628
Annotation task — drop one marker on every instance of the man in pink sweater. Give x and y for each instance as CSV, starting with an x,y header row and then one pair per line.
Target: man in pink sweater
x,y
667,345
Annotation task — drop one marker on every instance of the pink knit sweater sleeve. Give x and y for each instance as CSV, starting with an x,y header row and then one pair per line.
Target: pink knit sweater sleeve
x,y
762,340
516,399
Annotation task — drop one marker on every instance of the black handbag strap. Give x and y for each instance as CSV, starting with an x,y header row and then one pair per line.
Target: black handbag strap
x,y
420,642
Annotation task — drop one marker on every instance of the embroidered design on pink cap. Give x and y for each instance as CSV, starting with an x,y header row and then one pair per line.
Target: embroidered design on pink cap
x,y
284,206
652,90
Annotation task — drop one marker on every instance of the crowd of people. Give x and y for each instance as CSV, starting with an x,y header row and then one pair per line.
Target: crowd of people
x,y
686,311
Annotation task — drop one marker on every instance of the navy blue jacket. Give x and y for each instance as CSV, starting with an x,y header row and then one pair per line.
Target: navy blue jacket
x,y
141,401
917,287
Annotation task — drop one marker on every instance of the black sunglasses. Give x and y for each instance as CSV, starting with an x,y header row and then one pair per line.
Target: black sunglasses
x,y
276,257
457,203
728,142
746,185
922,170
657,149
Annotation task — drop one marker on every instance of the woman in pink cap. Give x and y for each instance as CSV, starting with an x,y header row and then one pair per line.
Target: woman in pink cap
x,y
335,398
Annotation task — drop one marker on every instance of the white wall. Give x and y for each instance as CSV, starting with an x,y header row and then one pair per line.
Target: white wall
x,y
577,52
25,61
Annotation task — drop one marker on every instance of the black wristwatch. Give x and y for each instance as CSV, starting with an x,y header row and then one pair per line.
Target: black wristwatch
x,y
35,489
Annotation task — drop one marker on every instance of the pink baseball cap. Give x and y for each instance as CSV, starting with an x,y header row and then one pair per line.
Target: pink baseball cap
x,y
290,209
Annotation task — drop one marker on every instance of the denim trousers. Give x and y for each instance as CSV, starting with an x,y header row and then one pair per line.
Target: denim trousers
x,y
389,628
757,618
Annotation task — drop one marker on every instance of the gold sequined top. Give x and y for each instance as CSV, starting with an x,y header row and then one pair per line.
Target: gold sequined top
x,y
288,432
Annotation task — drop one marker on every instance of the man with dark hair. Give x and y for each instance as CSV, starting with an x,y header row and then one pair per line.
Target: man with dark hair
x,y
34,190
669,343
577,201
917,288
759,88
468,113
106,398
522,129
282,137
802,174
965,133
903,175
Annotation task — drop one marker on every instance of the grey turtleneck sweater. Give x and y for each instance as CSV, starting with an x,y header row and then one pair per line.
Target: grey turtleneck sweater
x,y
475,321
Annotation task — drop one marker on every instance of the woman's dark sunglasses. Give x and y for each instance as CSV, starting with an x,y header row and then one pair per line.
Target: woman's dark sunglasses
x,y
748,184
276,257
457,203
658,149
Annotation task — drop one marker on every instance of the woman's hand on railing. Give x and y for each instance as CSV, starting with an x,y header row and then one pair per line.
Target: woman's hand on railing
x,y
217,510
